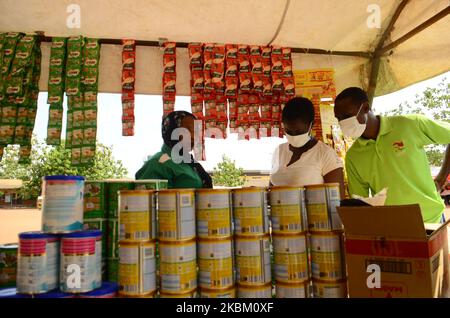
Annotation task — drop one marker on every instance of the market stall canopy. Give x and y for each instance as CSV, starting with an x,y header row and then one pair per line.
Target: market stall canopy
x,y
10,184
344,35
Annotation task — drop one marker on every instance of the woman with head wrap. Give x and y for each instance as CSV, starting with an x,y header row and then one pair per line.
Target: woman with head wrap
x,y
180,169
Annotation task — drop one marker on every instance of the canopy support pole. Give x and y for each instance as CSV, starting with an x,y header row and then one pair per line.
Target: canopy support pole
x,y
376,58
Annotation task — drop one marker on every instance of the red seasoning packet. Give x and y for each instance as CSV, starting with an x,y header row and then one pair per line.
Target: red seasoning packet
x,y
128,85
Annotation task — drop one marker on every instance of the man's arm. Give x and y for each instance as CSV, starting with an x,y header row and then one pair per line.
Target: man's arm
x,y
444,172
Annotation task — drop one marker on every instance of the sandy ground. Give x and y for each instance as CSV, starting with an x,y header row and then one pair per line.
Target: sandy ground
x,y
12,222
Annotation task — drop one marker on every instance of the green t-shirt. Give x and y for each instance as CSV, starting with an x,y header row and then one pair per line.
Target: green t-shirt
x,y
397,160
161,166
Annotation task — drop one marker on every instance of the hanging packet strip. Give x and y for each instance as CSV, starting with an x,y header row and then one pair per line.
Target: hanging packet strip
x,y
91,63
128,85
11,86
169,77
56,89
30,103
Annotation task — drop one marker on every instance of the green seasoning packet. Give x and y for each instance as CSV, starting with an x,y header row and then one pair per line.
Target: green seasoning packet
x,y
73,66
56,71
32,93
94,199
90,71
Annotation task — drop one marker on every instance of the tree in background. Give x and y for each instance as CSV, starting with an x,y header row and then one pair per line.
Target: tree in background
x,y
227,174
434,103
48,160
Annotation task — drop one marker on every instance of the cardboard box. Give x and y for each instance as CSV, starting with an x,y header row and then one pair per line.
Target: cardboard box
x,y
413,260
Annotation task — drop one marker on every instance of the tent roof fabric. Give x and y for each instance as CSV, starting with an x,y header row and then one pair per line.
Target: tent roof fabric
x,y
321,24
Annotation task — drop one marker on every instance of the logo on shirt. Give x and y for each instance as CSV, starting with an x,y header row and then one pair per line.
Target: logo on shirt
x,y
398,146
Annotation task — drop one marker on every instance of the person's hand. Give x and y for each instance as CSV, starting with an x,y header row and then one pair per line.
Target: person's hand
x,y
440,182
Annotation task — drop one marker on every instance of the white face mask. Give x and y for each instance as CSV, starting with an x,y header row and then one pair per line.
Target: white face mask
x,y
299,140
351,127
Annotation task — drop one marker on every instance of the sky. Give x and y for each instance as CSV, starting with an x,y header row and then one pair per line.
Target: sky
x,y
133,151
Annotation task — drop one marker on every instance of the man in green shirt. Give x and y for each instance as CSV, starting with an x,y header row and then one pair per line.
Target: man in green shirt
x,y
181,170
389,153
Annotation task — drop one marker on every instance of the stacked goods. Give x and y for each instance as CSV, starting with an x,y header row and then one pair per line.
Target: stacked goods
x,y
8,265
128,81
56,90
177,245
289,227
326,240
64,254
137,247
62,204
81,86
169,77
20,63
81,252
101,207
37,263
95,217
321,203
252,242
111,189
215,243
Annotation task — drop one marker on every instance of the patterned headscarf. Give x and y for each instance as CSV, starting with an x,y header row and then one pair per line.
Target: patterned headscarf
x,y
171,122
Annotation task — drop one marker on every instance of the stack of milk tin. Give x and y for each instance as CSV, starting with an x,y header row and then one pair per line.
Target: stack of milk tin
x,y
252,243
215,243
137,243
290,248
62,255
177,243
326,241
101,206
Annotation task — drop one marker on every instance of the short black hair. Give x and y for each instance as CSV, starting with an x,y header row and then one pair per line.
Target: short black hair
x,y
356,94
298,108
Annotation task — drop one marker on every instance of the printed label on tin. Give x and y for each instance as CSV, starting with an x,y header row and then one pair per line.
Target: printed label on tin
x,y
218,294
213,201
178,253
263,292
134,226
253,261
326,257
250,221
86,254
37,270
62,208
286,218
215,264
299,291
212,223
178,277
134,202
329,290
175,224
291,260
137,269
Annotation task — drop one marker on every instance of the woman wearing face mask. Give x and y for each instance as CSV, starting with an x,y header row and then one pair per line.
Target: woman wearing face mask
x,y
303,160
180,173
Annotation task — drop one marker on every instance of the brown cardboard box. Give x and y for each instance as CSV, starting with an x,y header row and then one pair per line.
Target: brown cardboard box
x,y
413,260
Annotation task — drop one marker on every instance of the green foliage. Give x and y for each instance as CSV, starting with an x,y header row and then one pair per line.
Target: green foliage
x,y
227,174
433,102
56,160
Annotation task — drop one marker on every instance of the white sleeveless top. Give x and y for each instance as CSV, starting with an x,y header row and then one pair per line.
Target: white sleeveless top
x,y
309,169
